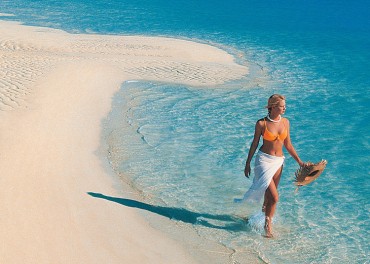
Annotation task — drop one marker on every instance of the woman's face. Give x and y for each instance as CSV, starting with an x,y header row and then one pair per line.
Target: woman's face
x,y
280,108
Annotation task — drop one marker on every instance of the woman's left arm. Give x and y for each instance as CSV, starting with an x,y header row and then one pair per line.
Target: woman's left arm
x,y
289,146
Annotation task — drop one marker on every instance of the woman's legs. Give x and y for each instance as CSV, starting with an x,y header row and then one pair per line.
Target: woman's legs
x,y
270,202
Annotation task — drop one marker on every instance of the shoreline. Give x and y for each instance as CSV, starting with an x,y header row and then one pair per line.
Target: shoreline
x,y
55,89
174,222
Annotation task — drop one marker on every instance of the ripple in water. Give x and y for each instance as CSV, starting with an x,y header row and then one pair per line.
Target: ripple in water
x,y
185,148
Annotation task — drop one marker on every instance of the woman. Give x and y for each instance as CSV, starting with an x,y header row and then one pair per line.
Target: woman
x,y
275,132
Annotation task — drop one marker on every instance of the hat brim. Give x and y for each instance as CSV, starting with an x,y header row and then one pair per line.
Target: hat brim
x,y
307,174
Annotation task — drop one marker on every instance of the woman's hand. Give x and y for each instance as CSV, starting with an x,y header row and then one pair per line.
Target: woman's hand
x,y
247,170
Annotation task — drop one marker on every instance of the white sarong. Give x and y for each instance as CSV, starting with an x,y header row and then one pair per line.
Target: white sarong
x,y
265,167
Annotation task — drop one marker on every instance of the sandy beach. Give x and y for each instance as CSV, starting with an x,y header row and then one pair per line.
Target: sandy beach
x,y
55,88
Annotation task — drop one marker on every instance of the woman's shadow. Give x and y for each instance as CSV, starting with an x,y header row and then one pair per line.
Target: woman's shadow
x,y
225,222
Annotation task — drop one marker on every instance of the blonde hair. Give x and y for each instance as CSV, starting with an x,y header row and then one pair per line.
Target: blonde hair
x,y
274,100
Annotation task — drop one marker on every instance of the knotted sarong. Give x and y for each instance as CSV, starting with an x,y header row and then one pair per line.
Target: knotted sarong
x,y
265,167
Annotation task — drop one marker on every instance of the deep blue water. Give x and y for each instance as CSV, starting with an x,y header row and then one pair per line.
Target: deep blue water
x,y
190,144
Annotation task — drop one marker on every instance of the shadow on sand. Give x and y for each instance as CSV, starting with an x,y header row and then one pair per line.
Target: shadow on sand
x,y
225,222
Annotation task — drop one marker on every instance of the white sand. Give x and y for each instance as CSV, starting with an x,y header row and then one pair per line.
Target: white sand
x,y
55,88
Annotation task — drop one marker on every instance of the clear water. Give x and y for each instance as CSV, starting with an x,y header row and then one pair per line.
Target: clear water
x,y
185,147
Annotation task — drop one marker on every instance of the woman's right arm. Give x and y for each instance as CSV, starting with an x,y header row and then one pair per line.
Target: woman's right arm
x,y
252,149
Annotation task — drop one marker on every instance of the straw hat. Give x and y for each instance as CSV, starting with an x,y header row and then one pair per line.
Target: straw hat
x,y
309,173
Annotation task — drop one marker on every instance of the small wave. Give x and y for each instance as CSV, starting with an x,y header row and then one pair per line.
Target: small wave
x,y
6,15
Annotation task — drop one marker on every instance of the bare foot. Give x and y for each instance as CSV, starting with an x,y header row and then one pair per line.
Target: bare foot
x,y
268,228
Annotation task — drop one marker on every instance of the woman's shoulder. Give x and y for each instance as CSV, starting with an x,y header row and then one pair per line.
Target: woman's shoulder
x,y
261,120
260,123
285,120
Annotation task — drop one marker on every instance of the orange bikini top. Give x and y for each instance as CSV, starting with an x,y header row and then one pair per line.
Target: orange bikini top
x,y
267,135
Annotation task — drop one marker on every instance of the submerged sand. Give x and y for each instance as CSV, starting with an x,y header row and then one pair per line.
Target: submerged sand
x,y
55,88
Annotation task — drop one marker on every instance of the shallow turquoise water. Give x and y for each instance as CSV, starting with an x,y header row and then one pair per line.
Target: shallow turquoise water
x,y
189,145
188,148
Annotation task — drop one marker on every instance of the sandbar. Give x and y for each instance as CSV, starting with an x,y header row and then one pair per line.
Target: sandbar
x,y
55,88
